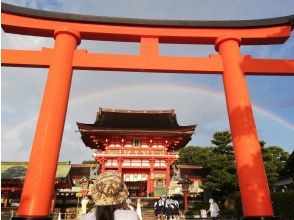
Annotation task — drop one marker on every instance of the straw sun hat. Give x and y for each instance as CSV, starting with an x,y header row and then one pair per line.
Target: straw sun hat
x,y
109,189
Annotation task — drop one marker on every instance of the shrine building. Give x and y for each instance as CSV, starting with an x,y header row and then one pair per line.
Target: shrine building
x,y
141,144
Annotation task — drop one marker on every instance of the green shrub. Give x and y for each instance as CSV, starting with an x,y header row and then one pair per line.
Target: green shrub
x,y
227,212
159,191
200,205
189,213
283,204
196,212
238,206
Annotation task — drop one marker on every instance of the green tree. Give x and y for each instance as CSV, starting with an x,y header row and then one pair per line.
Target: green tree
x,y
195,155
274,160
223,140
262,143
289,166
221,179
274,157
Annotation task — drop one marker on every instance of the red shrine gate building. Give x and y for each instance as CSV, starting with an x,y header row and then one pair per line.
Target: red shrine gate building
x,y
140,144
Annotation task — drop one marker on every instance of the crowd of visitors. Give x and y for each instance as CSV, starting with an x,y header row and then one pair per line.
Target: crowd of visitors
x,y
110,195
166,208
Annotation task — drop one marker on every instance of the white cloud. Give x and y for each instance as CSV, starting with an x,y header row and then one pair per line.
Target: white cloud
x,y
22,88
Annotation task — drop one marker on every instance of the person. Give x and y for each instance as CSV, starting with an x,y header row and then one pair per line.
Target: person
x,y
138,210
158,208
109,192
176,210
168,208
129,206
84,202
163,211
213,209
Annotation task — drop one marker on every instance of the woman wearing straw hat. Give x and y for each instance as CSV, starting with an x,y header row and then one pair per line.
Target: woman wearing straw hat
x,y
109,193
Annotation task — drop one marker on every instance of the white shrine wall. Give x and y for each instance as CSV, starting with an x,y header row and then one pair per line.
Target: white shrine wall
x,y
136,163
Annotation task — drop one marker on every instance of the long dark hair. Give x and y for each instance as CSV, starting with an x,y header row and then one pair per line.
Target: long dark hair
x,y
106,212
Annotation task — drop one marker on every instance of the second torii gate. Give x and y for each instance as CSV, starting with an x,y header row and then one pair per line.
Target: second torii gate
x,y
68,30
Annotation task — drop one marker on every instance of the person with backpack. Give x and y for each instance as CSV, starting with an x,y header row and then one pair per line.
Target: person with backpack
x,y
158,205
176,210
168,209
213,209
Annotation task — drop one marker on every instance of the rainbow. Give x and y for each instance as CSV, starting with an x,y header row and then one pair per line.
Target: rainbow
x,y
200,90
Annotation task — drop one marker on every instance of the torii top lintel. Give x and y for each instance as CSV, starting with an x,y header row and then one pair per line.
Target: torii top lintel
x,y
22,20
149,33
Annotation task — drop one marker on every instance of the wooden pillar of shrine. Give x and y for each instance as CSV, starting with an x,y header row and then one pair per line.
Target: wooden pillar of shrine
x,y
102,162
102,167
148,184
6,199
119,163
152,162
167,172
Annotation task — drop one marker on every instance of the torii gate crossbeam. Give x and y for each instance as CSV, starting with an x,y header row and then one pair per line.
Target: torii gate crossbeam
x,y
68,30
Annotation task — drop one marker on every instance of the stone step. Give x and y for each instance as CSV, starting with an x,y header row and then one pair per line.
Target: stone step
x,y
148,213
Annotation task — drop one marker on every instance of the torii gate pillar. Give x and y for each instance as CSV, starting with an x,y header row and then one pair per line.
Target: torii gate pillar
x,y
247,151
37,190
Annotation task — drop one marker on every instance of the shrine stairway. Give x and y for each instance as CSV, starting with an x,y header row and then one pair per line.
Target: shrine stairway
x,y
148,213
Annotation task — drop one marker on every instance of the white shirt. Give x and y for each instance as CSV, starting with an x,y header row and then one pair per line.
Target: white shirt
x,y
214,209
84,203
159,203
119,214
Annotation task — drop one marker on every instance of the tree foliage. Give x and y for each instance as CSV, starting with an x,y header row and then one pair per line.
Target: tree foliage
x,y
223,140
222,178
274,160
289,166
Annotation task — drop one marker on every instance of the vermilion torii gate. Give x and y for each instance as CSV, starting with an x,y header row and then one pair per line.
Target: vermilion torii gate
x,y
69,29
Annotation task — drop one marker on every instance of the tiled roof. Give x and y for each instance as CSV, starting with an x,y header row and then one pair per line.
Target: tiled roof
x,y
193,171
144,124
17,170
136,120
131,119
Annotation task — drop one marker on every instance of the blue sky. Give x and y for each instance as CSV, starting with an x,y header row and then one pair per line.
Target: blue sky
x,y
197,99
